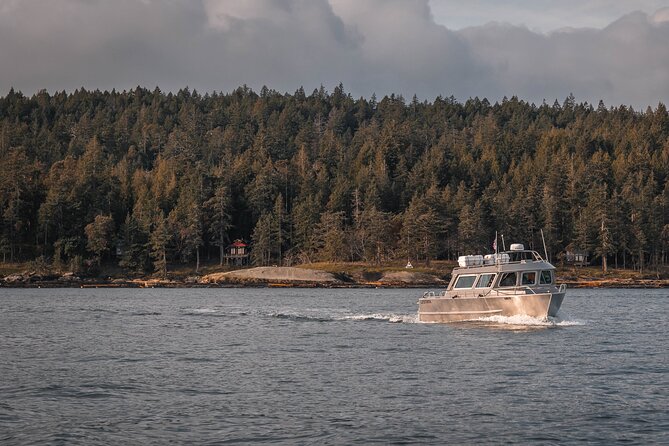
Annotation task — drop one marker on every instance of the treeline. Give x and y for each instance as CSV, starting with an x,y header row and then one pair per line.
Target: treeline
x,y
145,178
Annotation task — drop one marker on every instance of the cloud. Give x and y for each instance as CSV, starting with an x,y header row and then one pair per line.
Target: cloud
x,y
403,50
381,46
660,16
65,44
626,62
541,15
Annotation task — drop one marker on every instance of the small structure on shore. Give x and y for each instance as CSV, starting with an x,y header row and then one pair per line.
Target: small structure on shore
x,y
237,253
577,257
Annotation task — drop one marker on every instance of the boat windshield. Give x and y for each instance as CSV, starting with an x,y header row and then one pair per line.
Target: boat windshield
x,y
485,280
465,282
546,277
507,279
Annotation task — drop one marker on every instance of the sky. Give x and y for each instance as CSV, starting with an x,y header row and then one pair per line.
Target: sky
x,y
539,50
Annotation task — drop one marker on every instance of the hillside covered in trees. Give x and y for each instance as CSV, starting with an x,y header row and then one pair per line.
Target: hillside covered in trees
x,y
146,179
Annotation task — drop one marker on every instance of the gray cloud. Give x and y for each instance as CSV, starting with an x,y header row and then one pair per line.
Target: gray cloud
x,y
542,15
626,62
381,46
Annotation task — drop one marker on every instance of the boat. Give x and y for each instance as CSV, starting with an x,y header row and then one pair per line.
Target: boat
x,y
510,283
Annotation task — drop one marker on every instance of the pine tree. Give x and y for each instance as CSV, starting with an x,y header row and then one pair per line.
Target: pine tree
x,y
99,234
420,230
185,220
219,208
159,241
373,235
598,212
134,246
263,240
329,238
280,224
471,229
305,216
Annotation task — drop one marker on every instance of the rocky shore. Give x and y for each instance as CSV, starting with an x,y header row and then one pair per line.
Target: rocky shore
x,y
261,276
297,277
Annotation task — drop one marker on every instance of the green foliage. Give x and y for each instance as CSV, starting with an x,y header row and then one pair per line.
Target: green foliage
x,y
100,235
421,230
159,241
218,211
329,242
263,240
134,246
372,235
325,177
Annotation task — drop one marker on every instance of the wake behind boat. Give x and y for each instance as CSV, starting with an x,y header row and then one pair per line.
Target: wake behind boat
x,y
515,282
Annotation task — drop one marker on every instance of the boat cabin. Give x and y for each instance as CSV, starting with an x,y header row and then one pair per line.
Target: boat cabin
x,y
511,269
501,279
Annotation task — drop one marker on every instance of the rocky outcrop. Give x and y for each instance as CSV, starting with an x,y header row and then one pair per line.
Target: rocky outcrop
x,y
15,279
272,274
410,278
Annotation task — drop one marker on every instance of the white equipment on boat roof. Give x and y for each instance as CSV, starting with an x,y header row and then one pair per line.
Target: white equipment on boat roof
x,y
465,261
493,259
517,247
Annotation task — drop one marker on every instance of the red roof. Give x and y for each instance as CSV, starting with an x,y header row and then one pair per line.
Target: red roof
x,y
238,244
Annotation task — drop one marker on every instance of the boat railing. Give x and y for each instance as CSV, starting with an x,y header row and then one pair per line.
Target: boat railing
x,y
503,291
514,290
433,294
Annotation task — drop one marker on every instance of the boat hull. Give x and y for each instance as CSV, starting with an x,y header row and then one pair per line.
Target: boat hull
x,y
448,309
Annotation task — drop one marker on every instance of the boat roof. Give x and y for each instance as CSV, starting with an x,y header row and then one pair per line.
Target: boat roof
x,y
519,260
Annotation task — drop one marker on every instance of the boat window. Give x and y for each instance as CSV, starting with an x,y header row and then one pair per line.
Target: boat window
x,y
528,278
546,277
485,280
465,282
507,279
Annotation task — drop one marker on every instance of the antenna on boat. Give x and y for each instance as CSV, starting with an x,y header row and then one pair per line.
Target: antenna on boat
x,y
544,242
503,245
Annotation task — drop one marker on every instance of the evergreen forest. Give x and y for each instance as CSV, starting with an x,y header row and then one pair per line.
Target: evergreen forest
x,y
147,179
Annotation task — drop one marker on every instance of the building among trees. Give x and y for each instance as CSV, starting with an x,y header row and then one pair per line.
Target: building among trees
x,y
577,257
237,253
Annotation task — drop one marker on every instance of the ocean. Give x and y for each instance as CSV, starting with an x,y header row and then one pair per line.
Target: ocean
x,y
326,366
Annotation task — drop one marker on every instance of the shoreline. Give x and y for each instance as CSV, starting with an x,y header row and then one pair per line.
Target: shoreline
x,y
313,276
153,283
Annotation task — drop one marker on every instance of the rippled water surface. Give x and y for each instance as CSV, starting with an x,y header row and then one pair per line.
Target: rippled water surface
x,y
318,366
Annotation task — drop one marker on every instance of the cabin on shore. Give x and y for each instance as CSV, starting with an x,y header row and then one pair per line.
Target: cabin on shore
x,y
577,257
237,253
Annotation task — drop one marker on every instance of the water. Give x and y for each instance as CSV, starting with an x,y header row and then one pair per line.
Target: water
x,y
318,366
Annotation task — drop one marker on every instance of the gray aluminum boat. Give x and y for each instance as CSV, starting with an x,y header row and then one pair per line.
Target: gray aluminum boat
x,y
515,282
